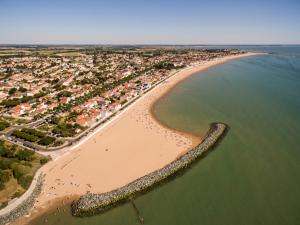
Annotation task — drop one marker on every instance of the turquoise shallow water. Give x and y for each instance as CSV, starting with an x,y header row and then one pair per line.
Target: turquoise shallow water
x,y
253,176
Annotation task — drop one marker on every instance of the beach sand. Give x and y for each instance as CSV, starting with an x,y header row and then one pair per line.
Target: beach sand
x,y
131,145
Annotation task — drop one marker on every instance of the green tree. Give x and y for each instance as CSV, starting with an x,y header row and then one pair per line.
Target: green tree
x,y
10,102
25,155
46,140
22,89
3,125
12,91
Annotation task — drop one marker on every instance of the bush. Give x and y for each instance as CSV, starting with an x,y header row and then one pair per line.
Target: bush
x,y
17,194
25,181
25,155
8,153
3,204
58,143
44,160
26,163
4,176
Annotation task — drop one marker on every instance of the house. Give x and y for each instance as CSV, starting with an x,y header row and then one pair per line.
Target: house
x,y
90,103
76,109
82,121
65,100
68,81
53,105
94,114
105,113
20,109
42,106
115,106
3,95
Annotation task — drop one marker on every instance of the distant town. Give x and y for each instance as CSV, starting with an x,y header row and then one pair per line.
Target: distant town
x,y
51,97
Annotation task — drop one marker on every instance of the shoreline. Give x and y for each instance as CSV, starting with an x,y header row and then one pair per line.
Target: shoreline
x,y
199,68
162,89
91,204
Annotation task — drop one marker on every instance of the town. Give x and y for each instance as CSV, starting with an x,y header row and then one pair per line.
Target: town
x,y
51,97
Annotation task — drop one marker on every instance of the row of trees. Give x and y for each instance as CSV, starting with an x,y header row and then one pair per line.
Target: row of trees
x,y
33,135
16,101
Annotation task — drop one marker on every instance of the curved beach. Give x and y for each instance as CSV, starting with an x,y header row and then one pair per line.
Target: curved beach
x,y
129,146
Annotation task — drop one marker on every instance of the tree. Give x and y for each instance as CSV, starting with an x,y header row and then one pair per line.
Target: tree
x,y
55,120
9,71
22,89
3,125
10,102
40,94
95,58
25,136
46,140
34,132
12,91
19,170
64,94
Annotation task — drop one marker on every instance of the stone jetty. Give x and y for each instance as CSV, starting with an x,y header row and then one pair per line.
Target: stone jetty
x,y
90,203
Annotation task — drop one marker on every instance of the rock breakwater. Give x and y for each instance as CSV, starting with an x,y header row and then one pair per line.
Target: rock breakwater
x,y
90,204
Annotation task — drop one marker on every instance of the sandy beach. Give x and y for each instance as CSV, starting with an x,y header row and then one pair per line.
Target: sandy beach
x,y
129,146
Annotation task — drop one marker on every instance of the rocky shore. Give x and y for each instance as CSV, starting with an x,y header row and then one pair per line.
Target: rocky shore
x,y
90,204
23,205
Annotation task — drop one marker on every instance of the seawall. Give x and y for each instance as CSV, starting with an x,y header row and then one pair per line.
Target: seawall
x,y
90,204
22,205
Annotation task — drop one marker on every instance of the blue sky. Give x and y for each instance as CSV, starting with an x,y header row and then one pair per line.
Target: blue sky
x,y
149,22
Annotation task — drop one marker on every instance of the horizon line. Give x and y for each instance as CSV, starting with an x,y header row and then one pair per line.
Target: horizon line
x,y
119,44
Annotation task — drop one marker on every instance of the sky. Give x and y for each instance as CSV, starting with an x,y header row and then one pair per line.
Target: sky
x,y
149,22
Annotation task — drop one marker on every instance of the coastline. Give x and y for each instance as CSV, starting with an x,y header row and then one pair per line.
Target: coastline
x,y
184,74
144,120
90,204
